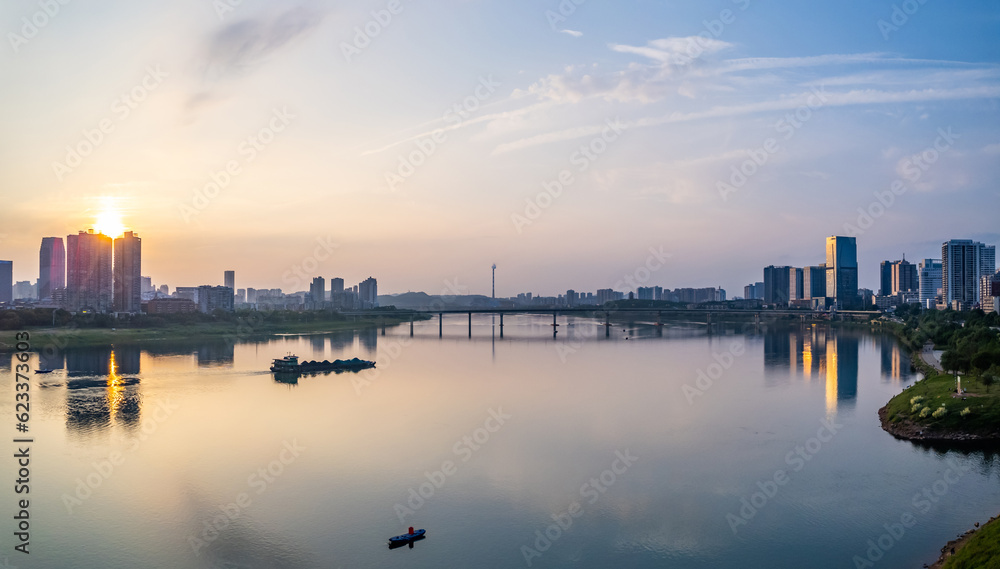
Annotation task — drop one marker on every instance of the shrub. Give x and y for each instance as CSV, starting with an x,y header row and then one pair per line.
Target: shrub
x,y
965,411
940,412
925,411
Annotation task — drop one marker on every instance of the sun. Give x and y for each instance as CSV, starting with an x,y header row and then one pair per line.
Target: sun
x,y
109,222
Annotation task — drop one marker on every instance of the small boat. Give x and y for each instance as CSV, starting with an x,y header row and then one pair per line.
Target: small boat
x,y
43,371
407,537
291,364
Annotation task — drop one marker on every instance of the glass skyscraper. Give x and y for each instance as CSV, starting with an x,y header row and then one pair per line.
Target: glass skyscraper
x,y
842,271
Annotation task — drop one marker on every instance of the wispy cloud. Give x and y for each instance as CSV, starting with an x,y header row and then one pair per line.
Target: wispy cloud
x,y
573,33
236,49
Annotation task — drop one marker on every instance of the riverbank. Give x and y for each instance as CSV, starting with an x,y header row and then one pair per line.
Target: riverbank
x,y
975,549
930,410
244,330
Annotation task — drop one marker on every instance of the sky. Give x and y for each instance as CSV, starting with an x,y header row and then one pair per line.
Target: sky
x,y
581,144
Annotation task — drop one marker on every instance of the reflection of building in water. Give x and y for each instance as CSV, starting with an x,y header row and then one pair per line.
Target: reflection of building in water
x,y
51,357
341,340
127,359
88,360
817,353
845,346
895,364
215,353
369,339
318,344
96,401
778,348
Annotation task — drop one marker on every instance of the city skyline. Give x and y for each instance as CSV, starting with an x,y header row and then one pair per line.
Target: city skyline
x,y
562,153
797,283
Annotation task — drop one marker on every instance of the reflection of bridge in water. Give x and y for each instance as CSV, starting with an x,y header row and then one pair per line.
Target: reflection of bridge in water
x,y
656,316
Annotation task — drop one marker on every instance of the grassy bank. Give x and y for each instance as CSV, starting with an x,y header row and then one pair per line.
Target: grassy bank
x,y
978,550
236,329
930,410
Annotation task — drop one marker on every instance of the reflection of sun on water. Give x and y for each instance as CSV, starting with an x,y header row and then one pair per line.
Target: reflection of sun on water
x,y
831,378
115,395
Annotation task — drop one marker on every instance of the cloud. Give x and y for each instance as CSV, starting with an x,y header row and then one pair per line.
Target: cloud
x,y
645,82
236,49
573,33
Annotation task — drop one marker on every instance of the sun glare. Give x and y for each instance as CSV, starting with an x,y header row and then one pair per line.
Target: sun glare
x,y
109,222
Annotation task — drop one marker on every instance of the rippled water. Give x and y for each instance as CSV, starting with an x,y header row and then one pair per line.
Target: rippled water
x,y
643,448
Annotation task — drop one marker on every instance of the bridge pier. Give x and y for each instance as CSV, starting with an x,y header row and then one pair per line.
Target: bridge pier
x,y
440,324
501,324
607,324
383,328
470,324
411,326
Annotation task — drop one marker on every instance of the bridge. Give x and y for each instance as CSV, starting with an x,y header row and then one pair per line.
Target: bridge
x,y
695,313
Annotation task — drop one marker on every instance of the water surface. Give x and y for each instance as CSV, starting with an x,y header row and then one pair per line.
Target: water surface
x,y
583,450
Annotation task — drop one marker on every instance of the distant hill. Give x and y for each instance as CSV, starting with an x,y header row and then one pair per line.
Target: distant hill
x,y
424,301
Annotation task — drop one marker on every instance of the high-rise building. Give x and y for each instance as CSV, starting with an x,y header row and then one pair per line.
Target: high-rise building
x,y
368,293
795,284
51,266
128,273
904,277
188,292
814,282
317,293
963,263
7,281
842,271
754,291
885,278
229,279
24,290
989,293
776,280
211,298
88,271
929,279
